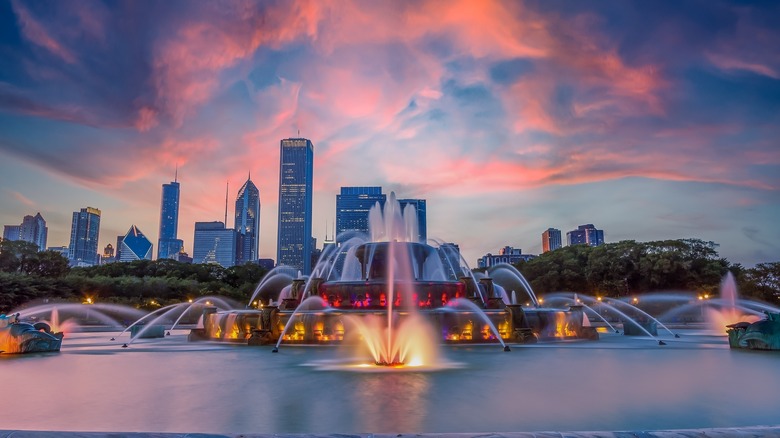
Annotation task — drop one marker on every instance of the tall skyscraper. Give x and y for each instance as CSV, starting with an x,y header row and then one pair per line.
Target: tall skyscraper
x,y
422,222
84,234
296,167
352,206
168,243
247,223
33,229
551,240
135,246
587,234
213,243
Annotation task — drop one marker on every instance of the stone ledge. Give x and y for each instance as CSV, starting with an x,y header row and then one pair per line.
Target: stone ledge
x,y
731,432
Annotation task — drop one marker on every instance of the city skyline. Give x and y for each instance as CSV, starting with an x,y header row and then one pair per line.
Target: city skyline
x,y
652,121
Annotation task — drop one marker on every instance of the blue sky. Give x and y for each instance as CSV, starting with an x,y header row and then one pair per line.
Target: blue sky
x,y
650,120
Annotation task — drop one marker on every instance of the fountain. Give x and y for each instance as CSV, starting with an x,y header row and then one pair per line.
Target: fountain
x,y
392,293
22,337
749,332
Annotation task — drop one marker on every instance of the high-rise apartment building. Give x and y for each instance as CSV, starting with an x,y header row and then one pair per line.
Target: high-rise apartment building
x,y
296,167
33,229
551,240
587,234
352,207
84,234
168,243
213,243
135,246
422,222
247,224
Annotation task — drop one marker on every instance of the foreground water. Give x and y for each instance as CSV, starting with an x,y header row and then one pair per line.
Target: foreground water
x,y
170,385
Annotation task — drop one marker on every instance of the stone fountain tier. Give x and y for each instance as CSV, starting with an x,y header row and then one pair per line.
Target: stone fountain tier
x,y
21,337
760,335
515,324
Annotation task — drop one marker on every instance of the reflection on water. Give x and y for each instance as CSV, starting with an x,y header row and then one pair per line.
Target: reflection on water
x,y
169,385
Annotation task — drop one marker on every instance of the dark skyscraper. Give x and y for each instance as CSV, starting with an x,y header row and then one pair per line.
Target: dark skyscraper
x,y
247,223
33,229
168,243
422,220
585,234
84,234
551,240
296,166
352,207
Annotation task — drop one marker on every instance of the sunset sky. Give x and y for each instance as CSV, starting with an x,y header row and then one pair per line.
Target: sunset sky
x,y
651,120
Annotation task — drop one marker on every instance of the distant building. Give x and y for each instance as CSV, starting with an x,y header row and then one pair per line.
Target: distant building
x,y
266,264
296,167
587,234
63,250
84,235
168,243
213,243
506,254
108,253
352,207
247,223
118,247
452,259
182,257
135,246
551,240
33,229
422,221
12,232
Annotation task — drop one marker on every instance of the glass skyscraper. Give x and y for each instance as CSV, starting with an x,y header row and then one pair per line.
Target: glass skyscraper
x,y
33,229
135,246
247,223
84,234
551,240
422,222
352,206
168,243
296,166
213,243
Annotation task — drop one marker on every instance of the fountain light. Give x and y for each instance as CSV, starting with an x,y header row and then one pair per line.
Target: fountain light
x,y
190,300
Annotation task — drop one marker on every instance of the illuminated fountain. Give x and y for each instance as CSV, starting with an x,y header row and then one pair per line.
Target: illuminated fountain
x,y
398,297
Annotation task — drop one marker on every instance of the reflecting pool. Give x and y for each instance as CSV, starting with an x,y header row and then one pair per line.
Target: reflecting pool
x,y
171,385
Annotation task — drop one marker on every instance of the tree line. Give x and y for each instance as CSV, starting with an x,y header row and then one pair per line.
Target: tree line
x,y
613,269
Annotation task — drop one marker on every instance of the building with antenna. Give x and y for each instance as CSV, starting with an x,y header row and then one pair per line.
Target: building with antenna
x,y
296,167
247,222
168,243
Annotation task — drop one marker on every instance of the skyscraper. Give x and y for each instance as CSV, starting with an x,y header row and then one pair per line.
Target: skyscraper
x,y
551,240
168,243
352,206
296,166
587,234
247,223
84,234
213,243
33,229
135,246
422,222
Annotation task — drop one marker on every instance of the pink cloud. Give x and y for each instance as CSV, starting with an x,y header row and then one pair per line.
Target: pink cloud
x,y
724,62
36,33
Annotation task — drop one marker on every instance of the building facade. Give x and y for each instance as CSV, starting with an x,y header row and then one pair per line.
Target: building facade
x,y
135,246
422,221
168,243
247,223
213,243
84,235
587,234
352,207
33,229
506,254
551,240
296,167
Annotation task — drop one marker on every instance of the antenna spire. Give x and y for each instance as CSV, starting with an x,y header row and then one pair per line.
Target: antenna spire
x,y
227,187
176,173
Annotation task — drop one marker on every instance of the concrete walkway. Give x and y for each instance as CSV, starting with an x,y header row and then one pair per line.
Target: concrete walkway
x,y
736,432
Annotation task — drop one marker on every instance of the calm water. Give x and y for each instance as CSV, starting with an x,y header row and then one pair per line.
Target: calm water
x,y
169,385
